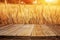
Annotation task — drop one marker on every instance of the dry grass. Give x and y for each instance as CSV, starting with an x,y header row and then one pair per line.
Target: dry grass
x,y
25,14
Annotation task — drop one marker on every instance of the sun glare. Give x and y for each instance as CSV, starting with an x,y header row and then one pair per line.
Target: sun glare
x,y
50,1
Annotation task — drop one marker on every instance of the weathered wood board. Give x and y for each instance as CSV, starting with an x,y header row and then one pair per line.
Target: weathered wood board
x,y
16,30
29,30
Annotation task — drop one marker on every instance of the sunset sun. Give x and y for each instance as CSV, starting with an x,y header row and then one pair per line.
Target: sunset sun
x,y
50,1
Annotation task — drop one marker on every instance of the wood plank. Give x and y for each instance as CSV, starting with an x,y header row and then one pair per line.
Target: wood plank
x,y
42,30
30,30
37,31
55,28
10,28
47,31
17,30
25,31
3,27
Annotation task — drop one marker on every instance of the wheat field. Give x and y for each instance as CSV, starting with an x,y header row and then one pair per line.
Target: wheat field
x,y
29,14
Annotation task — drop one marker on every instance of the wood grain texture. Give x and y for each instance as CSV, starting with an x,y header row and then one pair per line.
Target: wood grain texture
x,y
30,30
17,30
42,30
55,29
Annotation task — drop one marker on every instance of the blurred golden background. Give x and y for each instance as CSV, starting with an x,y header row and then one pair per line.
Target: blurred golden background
x,y
13,12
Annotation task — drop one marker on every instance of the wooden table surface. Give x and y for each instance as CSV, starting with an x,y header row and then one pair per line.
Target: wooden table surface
x,y
29,30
